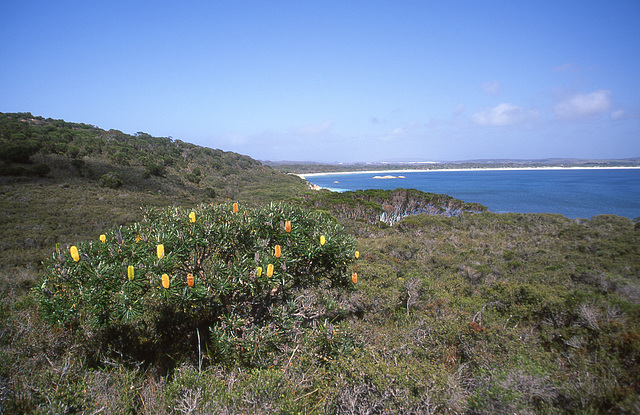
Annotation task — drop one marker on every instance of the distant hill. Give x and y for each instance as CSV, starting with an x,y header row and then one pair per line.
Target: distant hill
x,y
311,167
34,146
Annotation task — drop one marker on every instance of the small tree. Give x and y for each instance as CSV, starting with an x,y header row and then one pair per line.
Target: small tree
x,y
111,180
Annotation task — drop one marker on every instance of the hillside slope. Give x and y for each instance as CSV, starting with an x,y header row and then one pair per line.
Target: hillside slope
x,y
62,182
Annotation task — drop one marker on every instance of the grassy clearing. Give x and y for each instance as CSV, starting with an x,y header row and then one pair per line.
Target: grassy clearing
x,y
476,314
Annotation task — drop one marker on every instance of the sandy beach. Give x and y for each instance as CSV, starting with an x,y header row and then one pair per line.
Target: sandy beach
x,y
305,175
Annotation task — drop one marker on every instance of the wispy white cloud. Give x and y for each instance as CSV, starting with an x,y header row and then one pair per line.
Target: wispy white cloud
x,y
567,67
314,129
584,105
393,134
492,88
503,114
618,115
459,109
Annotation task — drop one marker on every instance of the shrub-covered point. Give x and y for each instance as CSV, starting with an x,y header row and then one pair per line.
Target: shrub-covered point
x,y
158,285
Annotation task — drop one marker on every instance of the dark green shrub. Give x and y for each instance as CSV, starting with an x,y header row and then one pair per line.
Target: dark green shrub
x,y
178,274
40,170
193,178
19,152
111,180
154,169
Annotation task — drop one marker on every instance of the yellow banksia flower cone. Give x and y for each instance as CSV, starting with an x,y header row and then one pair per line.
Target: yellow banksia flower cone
x,y
278,251
259,271
354,278
269,270
160,251
190,280
165,280
130,272
322,240
357,254
103,238
192,217
235,207
74,253
287,227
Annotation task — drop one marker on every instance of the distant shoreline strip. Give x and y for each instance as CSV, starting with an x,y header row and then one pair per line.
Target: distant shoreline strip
x,y
305,175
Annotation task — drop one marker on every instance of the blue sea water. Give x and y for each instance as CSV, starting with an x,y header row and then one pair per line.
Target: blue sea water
x,y
574,193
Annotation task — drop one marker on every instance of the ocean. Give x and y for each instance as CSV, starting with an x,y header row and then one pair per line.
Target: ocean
x,y
574,193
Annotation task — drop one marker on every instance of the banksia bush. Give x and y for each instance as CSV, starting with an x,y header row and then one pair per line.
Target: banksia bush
x,y
225,290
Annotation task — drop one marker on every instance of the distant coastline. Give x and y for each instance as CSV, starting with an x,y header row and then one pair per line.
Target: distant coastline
x,y
305,175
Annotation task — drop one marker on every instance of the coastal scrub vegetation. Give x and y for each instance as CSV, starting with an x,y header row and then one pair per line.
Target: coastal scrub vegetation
x,y
175,309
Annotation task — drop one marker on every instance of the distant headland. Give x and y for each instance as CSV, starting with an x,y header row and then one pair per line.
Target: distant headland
x,y
304,169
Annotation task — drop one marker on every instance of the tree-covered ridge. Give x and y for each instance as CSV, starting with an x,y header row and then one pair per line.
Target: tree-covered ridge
x,y
35,146
389,206
37,135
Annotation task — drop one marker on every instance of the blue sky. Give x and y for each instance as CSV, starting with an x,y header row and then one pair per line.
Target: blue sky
x,y
336,81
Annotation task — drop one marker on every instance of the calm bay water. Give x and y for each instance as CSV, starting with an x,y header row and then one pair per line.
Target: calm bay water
x,y
575,193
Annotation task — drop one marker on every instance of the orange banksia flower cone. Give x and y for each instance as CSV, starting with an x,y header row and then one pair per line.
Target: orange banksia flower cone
x,y
287,227
192,217
354,278
357,254
74,253
165,280
103,238
278,251
322,240
190,280
269,270
160,251
235,207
